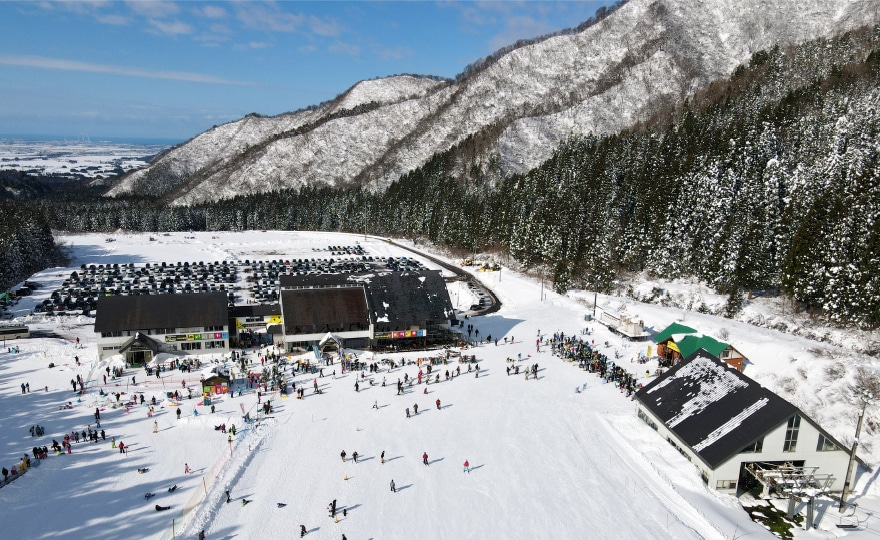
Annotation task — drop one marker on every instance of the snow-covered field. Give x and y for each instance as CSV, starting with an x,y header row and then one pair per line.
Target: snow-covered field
x,y
77,157
546,462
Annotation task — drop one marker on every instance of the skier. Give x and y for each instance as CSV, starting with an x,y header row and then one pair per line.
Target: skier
x,y
425,458
393,488
228,498
178,413
407,412
155,426
438,404
355,456
302,531
382,457
342,455
161,508
186,469
415,408
467,466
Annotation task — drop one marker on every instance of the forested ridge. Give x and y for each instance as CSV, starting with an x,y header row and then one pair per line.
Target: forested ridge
x,y
768,180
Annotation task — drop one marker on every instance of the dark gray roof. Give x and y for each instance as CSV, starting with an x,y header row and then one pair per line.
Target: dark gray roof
x,y
399,300
329,309
255,310
713,408
146,312
396,300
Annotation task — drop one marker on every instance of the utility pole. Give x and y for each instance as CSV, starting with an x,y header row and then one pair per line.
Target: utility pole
x,y
595,298
866,398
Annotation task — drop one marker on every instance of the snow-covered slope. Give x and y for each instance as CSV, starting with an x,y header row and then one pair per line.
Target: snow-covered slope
x,y
645,55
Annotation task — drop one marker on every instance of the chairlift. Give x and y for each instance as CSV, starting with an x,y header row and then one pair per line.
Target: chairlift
x,y
849,521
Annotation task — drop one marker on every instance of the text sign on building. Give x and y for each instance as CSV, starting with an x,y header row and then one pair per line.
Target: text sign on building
x,y
196,337
400,335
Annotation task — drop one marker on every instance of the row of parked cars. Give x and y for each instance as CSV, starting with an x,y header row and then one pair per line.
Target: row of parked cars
x,y
79,293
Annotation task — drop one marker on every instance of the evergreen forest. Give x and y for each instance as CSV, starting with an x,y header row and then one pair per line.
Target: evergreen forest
x,y
766,181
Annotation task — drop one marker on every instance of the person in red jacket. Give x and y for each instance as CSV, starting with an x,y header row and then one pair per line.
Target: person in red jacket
x,y
425,458
467,466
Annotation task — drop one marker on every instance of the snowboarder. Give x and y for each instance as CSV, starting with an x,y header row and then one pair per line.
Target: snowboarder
x,y
302,531
467,466
393,488
172,489
244,502
425,458
186,469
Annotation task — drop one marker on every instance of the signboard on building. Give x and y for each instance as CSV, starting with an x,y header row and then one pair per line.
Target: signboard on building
x,y
400,335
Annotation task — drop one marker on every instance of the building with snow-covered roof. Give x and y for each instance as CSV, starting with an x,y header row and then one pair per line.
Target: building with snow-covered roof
x,y
141,326
726,424
678,342
379,309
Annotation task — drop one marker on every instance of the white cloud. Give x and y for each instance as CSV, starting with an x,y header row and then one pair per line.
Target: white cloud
x,y
43,62
115,20
170,28
216,34
322,27
153,9
268,17
210,12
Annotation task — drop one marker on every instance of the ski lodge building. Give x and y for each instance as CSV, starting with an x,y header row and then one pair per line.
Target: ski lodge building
x,y
678,342
386,310
141,326
736,432
249,319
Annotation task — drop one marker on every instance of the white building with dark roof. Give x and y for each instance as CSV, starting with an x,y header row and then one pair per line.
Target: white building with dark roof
x,y
725,424
141,326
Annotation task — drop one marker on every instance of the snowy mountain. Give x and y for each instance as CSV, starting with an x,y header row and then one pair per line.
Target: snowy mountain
x,y
645,55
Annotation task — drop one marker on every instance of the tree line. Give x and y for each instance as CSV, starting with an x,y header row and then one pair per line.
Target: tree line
x,y
767,181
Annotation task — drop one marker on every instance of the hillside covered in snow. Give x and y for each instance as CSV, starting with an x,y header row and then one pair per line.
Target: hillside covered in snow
x,y
643,56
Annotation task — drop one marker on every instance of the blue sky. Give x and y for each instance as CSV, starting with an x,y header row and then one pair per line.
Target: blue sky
x,y
169,70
